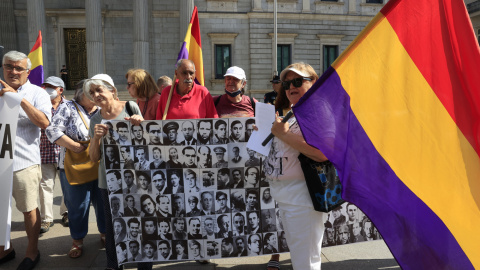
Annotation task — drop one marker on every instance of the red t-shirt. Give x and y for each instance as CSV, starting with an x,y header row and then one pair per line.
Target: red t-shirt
x,y
243,108
149,112
198,103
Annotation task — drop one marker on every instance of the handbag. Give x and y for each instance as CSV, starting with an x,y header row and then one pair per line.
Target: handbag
x,y
79,169
323,183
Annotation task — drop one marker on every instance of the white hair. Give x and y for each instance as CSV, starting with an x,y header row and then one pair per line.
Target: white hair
x,y
180,62
15,57
97,82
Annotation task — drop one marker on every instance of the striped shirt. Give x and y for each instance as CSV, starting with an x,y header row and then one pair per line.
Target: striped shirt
x,y
27,141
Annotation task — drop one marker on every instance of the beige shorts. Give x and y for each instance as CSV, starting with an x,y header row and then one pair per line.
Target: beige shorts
x,y
25,188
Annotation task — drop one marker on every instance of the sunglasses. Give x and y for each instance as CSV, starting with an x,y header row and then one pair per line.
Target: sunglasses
x,y
297,82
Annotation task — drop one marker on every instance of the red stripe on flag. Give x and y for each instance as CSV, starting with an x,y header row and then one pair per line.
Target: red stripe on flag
x,y
446,52
38,43
196,27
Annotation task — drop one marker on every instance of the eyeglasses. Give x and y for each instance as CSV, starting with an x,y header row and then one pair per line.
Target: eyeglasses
x,y
9,67
297,82
130,84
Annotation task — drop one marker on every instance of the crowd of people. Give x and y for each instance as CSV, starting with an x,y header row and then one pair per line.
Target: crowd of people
x,y
56,126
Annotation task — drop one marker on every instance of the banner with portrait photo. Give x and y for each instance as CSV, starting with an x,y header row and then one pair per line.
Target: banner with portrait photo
x,y
9,105
192,190
189,190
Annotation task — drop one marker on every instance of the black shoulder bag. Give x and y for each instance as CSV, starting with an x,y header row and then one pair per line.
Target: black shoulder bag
x,y
323,183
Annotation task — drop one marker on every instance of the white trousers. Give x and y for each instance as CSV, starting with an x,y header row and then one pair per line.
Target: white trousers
x,y
304,229
47,185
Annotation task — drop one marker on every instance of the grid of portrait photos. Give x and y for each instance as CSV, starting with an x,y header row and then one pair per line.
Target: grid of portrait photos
x,y
189,190
347,224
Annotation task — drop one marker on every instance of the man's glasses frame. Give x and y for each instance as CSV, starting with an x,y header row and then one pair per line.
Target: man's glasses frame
x,y
297,82
18,69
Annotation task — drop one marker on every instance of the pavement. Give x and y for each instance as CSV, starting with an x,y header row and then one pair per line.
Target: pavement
x,y
55,244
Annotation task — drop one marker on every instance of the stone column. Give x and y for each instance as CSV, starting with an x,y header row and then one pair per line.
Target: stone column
x,y
306,6
36,22
140,34
95,57
8,35
257,5
186,9
352,7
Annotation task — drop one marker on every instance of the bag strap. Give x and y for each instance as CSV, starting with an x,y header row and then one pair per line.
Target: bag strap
x,y
80,113
128,108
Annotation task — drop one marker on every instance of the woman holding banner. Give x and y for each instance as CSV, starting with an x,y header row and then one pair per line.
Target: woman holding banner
x,y
101,90
303,225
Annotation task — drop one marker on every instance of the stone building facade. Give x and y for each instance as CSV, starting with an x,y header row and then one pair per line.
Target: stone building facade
x,y
112,36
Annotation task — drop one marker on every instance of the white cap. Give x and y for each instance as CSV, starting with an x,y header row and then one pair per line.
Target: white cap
x,y
236,72
55,81
105,78
285,71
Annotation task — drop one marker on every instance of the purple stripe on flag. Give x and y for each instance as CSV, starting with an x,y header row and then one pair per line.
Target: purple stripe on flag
x,y
36,76
183,54
416,236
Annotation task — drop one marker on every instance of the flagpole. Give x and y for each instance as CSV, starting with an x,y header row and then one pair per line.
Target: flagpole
x,y
275,72
172,88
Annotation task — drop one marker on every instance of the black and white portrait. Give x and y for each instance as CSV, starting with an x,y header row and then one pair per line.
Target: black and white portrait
x,y
204,154
220,131
153,132
205,132
112,157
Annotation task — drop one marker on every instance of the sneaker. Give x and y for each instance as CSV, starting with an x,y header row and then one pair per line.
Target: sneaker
x,y
65,220
45,226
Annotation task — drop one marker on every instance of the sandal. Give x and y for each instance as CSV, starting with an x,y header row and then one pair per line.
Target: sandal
x,y
75,251
273,264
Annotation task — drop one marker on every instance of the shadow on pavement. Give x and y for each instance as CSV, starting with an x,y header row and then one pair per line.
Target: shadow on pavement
x,y
361,264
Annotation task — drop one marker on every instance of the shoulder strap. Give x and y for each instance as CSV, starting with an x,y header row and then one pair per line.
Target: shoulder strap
x,y
253,104
128,108
80,113
217,100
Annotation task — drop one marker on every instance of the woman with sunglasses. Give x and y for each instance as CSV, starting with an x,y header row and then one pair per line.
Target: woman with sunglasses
x,y
303,225
140,85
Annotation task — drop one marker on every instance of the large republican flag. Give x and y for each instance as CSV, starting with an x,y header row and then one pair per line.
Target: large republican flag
x,y
192,47
36,57
401,107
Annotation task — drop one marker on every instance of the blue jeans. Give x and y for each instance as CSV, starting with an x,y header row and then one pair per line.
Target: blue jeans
x,y
77,199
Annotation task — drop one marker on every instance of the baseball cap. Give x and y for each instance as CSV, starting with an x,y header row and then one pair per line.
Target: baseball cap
x,y
55,81
104,77
236,72
276,79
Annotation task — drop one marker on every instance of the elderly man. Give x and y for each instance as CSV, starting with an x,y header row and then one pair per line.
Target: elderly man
x,y
188,100
35,113
234,103
50,152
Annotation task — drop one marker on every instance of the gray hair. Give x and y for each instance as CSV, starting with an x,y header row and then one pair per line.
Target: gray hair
x,y
78,96
181,61
15,57
89,83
